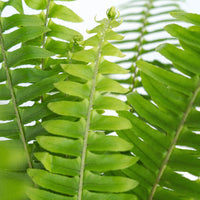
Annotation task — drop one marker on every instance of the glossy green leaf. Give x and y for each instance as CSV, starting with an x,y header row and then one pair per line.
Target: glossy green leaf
x,y
58,183
188,36
107,196
151,112
7,112
176,81
38,194
58,165
187,17
107,162
113,184
181,57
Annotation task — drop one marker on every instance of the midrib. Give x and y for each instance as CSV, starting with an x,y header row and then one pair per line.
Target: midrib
x,y
13,97
44,35
90,108
140,43
172,146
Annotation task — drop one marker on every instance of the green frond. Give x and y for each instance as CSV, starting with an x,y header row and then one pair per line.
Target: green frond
x,y
164,127
142,28
79,153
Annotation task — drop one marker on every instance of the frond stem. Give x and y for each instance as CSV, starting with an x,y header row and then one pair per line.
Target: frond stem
x,y
45,24
177,134
90,108
134,67
13,97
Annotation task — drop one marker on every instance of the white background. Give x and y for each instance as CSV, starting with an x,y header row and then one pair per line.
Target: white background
x,y
88,9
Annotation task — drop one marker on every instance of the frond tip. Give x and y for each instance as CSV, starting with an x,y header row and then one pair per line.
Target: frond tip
x,y
81,154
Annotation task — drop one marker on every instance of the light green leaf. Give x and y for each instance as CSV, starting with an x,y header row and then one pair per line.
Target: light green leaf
x,y
37,4
100,142
112,35
17,4
79,70
18,20
107,67
109,85
63,32
65,128
110,50
26,53
23,34
102,122
70,108
62,12
85,55
92,41
109,103
56,46
74,88
60,145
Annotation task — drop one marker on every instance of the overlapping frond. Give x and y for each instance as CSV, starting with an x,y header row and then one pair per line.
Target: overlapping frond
x,y
78,153
143,23
26,87
165,127
60,39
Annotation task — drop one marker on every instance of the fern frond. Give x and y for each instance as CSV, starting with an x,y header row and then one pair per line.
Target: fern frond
x,y
142,27
164,128
79,152
60,39
23,88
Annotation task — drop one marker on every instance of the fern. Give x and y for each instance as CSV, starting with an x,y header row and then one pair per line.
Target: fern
x,y
168,122
15,114
59,39
90,153
143,23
